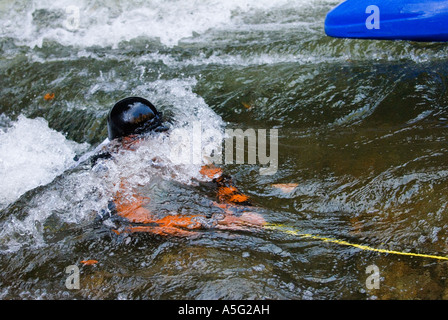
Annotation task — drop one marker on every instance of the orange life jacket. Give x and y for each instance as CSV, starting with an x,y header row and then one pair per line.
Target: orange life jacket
x,y
134,210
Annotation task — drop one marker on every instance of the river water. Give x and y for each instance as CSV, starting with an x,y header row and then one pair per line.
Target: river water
x,y
362,129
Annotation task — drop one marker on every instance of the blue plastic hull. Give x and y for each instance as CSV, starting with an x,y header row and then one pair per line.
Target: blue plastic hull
x,y
416,20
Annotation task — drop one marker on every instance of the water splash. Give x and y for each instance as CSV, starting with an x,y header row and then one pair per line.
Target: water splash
x,y
31,155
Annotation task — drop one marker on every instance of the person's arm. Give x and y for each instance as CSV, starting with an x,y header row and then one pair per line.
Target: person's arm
x,y
235,204
226,191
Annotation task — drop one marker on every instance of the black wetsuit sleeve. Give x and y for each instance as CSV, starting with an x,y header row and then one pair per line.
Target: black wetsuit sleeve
x,y
105,214
100,156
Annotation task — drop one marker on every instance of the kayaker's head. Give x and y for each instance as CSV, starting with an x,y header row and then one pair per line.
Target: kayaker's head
x,y
133,116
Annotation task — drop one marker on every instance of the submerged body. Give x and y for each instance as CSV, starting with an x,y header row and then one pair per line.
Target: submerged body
x,y
129,123
235,206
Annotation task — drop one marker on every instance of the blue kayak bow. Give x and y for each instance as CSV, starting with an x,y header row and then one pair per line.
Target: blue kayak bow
x,y
417,20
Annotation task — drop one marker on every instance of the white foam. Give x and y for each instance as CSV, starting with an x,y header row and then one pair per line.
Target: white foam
x,y
111,22
32,154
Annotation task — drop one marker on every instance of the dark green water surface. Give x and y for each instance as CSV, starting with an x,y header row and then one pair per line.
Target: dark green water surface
x,y
362,130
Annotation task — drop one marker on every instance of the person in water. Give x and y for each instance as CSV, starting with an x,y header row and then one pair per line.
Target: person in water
x,y
128,122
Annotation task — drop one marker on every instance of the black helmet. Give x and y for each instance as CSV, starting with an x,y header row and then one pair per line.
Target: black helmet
x,y
133,115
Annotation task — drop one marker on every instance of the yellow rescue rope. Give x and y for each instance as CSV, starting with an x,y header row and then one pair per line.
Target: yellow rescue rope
x,y
295,232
